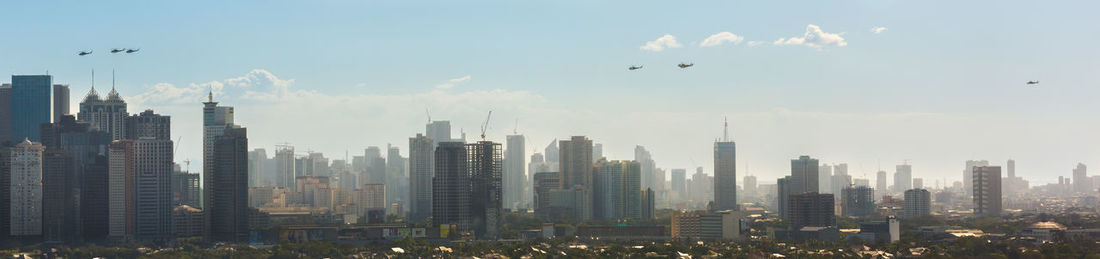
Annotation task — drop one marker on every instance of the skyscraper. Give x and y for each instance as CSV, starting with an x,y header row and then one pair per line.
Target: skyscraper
x,y
576,170
107,115
825,179
857,201
918,203
438,131
515,175
649,167
120,181
987,190
552,155
811,210
60,101
284,167
880,184
78,192
227,193
903,178
153,176
5,113
725,172
679,184
486,207
803,175
632,190
26,189
148,124
396,180
968,174
783,195
544,183
607,190
30,106
376,166
256,159
451,186
215,119
421,156
1081,181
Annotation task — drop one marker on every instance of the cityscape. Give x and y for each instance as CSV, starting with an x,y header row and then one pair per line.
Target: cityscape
x,y
611,167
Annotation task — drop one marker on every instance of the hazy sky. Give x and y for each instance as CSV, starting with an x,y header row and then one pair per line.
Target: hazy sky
x,y
861,82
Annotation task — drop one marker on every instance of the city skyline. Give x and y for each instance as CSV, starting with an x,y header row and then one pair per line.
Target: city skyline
x,y
848,104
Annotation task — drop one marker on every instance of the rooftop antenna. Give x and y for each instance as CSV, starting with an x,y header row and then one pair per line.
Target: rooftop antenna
x,y
93,80
725,129
188,163
112,80
485,126
515,130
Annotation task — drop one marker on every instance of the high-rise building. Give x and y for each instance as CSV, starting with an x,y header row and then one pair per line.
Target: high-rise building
x,y
515,165
451,186
30,106
285,171
607,190
256,159
576,170
60,101
376,166
803,175
1081,181
649,203
140,194
226,206
186,188
5,187
107,115
783,196
987,190
725,172
857,201
396,180
840,179
880,184
5,113
215,119
543,184
78,192
679,184
597,151
438,131
552,154
811,210
537,164
26,189
751,187
918,183
903,178
918,203
149,125
649,167
825,179
632,190
968,174
421,161
486,208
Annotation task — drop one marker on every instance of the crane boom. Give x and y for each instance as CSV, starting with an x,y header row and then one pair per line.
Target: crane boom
x,y
485,126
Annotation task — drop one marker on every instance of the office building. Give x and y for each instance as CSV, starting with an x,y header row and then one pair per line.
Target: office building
x,y
76,192
649,204
987,190
515,175
607,189
215,120
186,188
256,159
60,101
552,155
783,191
451,186
576,170
187,221
857,201
285,169
678,184
1081,181
649,167
30,106
825,179
968,174
903,178
107,115
544,183
421,161
803,175
725,172
811,210
5,113
918,203
26,189
707,225
226,194
880,184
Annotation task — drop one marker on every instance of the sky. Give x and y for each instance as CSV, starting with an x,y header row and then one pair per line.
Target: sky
x,y
869,83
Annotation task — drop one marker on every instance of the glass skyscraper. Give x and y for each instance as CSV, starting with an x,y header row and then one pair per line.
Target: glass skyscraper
x,y
30,106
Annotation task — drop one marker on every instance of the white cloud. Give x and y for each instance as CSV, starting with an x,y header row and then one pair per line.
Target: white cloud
x,y
753,43
877,29
451,82
720,38
667,41
815,38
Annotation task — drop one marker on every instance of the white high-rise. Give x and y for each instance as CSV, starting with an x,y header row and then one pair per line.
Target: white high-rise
x,y
26,189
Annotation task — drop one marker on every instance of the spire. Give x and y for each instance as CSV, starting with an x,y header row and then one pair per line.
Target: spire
x,y
92,95
113,95
210,97
725,129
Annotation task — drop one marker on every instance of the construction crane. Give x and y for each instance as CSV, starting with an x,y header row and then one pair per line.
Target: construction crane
x,y
485,126
429,112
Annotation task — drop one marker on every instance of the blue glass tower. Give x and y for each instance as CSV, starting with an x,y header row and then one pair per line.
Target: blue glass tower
x,y
30,106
